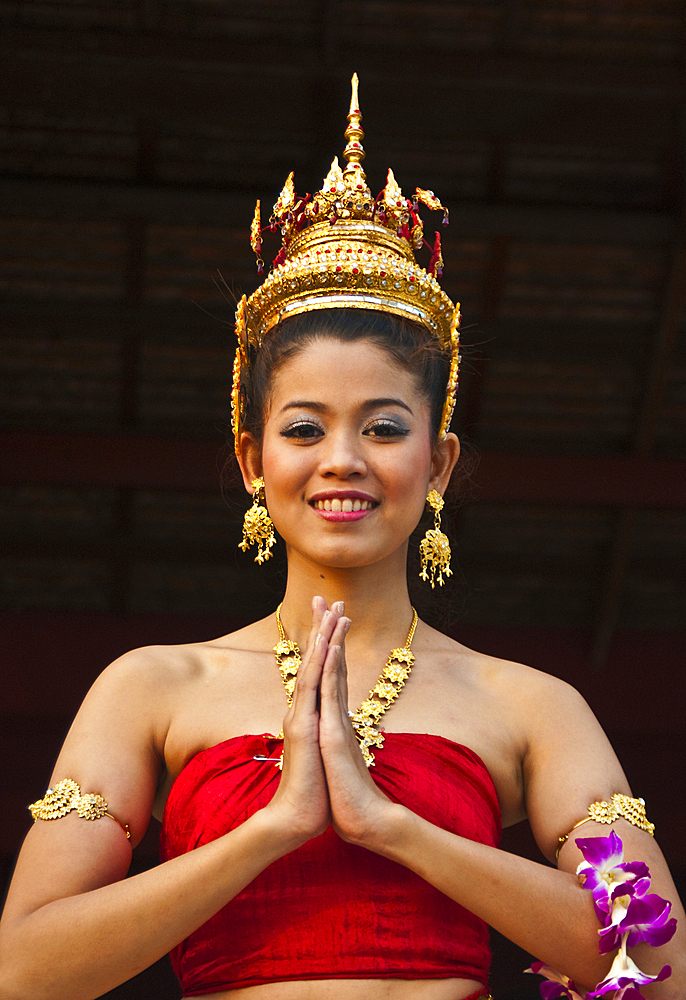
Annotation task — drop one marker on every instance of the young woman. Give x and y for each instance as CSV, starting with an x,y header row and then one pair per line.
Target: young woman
x,y
355,853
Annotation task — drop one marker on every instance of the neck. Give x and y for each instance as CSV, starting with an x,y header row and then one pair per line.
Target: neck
x,y
375,597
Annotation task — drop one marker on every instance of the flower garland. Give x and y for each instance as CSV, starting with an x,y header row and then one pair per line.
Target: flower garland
x,y
628,914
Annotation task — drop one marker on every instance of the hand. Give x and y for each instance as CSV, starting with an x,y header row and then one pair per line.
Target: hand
x,y
358,807
301,800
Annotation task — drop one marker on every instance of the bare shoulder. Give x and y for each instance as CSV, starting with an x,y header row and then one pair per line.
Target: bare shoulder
x,y
161,671
118,738
541,709
523,722
565,757
523,689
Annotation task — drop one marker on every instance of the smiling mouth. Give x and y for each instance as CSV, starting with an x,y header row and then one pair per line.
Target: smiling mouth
x,y
343,506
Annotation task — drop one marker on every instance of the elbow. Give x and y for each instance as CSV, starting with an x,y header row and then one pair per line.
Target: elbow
x,y
9,985
648,960
22,976
10,982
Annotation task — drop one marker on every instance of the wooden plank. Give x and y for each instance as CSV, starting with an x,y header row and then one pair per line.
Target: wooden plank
x,y
662,353
656,377
132,462
261,58
96,200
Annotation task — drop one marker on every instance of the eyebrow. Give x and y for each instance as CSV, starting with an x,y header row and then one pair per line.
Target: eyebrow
x,y
370,404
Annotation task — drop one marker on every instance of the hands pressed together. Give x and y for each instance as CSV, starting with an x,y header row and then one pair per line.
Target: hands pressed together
x,y
325,778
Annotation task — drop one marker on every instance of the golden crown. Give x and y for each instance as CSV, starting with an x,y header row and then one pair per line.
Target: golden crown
x,y
341,248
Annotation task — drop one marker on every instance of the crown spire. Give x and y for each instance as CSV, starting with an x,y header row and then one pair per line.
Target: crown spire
x,y
341,248
354,152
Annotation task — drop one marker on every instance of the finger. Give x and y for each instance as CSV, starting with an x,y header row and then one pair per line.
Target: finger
x,y
334,682
339,633
306,691
309,674
319,609
325,630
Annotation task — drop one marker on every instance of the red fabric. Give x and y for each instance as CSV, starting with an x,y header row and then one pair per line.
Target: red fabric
x,y
330,910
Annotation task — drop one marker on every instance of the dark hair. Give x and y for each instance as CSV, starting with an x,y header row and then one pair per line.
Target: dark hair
x,y
409,344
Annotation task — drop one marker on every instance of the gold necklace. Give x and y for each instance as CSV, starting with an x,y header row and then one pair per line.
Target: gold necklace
x,y
389,685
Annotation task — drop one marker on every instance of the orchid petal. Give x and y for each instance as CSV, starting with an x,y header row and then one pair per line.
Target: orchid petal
x,y
622,891
602,852
590,877
638,869
641,885
615,925
647,919
628,993
541,969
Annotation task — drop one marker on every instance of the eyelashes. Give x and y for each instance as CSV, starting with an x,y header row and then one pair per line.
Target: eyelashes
x,y
386,428
307,430
303,429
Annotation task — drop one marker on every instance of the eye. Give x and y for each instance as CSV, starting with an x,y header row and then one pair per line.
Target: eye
x,y
302,430
385,428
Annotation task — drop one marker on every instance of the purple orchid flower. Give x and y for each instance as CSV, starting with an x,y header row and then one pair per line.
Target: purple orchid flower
x,y
640,918
557,984
628,913
603,869
625,973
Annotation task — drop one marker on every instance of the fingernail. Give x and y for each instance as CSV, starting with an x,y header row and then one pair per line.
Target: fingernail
x,y
339,607
346,624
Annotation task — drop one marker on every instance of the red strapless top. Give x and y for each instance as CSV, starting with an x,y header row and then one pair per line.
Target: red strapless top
x,y
330,910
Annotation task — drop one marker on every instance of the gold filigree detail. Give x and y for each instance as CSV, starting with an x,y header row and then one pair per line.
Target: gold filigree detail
x,y
389,685
258,527
288,660
286,200
619,807
256,230
434,548
429,199
454,376
334,184
630,809
62,798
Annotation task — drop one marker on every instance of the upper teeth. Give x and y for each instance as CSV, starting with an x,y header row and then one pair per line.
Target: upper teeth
x,y
343,505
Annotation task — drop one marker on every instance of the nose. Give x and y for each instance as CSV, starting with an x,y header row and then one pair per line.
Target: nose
x,y
342,457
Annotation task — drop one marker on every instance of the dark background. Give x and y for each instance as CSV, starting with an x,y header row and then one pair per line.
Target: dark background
x,y
135,136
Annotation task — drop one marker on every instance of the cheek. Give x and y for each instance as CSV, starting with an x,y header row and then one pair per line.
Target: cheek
x,y
282,469
415,468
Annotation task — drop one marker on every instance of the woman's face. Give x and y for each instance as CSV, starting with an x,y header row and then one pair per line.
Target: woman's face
x,y
347,454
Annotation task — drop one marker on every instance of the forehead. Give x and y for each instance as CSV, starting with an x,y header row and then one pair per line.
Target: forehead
x,y
326,366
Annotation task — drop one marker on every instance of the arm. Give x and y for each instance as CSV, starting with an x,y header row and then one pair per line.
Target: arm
x,y
70,883
544,910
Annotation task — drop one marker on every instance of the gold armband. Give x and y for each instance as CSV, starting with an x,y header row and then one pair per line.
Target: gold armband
x,y
620,806
65,796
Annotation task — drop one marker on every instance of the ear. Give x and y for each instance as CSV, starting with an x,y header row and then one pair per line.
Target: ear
x,y
249,459
443,461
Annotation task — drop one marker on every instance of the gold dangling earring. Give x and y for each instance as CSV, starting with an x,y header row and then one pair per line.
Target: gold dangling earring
x,y
258,528
434,548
